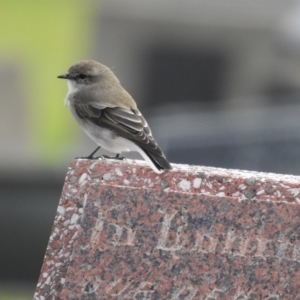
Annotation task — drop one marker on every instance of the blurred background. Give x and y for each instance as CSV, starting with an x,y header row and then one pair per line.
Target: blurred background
x,y
218,82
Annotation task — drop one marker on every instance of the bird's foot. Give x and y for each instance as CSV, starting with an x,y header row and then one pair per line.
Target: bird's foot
x,y
117,157
91,156
88,157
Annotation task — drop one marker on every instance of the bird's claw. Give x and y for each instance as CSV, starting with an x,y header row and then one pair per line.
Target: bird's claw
x,y
117,157
91,156
88,157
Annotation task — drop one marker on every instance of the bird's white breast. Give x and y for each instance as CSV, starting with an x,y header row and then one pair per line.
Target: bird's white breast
x,y
101,136
72,88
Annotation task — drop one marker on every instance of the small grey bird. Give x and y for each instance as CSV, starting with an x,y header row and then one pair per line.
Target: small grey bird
x,y
108,114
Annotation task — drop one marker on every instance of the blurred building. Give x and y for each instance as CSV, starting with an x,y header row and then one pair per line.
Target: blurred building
x,y
217,80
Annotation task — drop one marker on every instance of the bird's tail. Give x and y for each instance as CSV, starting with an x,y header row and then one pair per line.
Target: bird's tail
x,y
159,163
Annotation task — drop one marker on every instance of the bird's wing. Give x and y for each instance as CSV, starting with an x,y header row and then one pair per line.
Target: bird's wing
x,y
127,123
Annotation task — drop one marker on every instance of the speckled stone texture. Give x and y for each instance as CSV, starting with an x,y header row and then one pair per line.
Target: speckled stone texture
x,y
123,232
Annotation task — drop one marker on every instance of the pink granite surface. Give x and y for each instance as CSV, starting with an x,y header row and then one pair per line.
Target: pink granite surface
x,y
123,232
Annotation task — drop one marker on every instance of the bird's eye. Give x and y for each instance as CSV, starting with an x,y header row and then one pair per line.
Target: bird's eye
x,y
82,76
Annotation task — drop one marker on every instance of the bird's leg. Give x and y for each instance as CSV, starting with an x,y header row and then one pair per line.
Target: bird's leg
x,y
117,157
91,156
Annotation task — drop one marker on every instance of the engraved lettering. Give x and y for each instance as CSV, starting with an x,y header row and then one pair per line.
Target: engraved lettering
x,y
165,231
186,293
97,229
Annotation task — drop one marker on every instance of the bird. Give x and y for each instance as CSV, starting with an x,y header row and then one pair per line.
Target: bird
x,y
109,115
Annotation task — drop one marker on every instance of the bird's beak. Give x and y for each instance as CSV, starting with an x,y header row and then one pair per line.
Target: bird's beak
x,y
64,76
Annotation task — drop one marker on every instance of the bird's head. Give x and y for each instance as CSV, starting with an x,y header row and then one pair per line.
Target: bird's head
x,y
87,72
